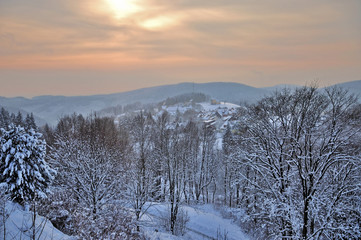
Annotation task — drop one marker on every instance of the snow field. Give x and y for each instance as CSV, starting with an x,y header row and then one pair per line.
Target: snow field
x,y
204,223
18,225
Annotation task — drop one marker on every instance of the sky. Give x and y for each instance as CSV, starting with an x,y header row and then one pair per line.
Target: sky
x,y
85,47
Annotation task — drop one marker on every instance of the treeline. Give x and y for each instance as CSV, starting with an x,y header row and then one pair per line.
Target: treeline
x,y
187,97
6,119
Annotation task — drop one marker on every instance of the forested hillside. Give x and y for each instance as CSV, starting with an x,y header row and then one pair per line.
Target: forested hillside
x,y
286,167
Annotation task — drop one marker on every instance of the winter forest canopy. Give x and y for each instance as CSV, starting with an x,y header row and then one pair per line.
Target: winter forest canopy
x,y
290,163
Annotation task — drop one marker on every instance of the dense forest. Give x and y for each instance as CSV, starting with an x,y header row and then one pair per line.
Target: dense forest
x,y
291,163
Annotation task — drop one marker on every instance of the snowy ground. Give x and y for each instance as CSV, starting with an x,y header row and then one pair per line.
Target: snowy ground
x,y
204,223
19,223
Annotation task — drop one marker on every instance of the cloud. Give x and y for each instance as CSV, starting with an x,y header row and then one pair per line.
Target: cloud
x,y
229,37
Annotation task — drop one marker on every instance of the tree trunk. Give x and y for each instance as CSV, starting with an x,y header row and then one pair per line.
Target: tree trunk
x,y
305,219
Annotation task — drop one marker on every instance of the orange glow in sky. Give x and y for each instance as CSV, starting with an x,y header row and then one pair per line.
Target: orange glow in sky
x,y
120,45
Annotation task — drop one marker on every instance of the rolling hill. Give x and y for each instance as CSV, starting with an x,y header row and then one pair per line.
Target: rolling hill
x,y
51,108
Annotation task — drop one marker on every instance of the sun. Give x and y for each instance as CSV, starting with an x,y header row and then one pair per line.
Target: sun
x,y
123,8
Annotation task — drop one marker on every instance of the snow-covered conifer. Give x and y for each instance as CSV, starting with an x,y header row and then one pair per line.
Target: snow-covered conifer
x,y
18,120
30,122
22,165
4,118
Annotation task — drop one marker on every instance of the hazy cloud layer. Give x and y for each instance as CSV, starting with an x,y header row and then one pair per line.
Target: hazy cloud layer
x,y
135,43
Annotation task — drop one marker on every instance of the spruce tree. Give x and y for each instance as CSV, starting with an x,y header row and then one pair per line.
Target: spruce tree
x,y
30,122
4,118
23,169
19,119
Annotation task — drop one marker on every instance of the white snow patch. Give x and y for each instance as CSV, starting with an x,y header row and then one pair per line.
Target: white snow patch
x,y
18,225
204,223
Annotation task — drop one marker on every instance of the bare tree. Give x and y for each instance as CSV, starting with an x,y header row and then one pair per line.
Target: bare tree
x,y
4,211
174,159
90,161
296,148
141,182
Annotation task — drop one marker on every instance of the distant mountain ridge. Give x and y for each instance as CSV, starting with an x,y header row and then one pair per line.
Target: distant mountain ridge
x,y
51,108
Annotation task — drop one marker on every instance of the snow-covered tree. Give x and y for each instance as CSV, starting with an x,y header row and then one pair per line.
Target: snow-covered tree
x,y
89,156
22,165
4,118
229,169
141,183
304,177
174,161
205,165
160,133
191,167
89,163
30,122
18,120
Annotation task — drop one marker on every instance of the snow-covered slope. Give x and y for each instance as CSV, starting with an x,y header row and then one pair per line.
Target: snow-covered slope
x,y
354,87
204,223
19,222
